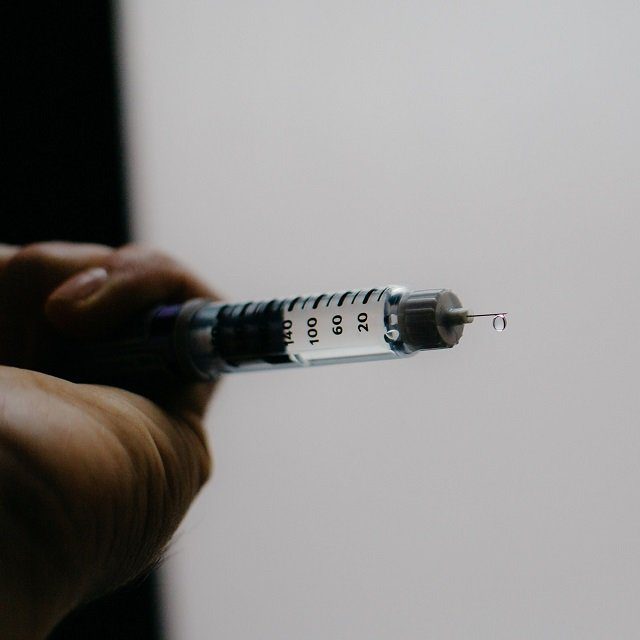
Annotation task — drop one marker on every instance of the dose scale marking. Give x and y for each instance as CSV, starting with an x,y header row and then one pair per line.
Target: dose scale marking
x,y
335,326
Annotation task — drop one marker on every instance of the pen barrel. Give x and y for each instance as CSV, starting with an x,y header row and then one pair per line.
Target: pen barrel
x,y
154,348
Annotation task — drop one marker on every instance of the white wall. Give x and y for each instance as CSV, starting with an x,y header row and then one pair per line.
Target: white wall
x,y
490,491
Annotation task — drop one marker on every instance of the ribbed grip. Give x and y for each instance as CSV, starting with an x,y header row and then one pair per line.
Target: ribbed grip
x,y
423,319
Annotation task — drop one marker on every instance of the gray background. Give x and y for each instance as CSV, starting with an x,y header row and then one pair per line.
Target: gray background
x,y
489,491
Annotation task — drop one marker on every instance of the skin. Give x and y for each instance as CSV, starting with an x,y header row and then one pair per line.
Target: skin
x,y
94,479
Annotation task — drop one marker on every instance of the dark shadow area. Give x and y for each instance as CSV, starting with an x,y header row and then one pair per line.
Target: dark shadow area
x,y
64,179
60,116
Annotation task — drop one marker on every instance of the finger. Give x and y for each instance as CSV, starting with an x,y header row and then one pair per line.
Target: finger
x,y
27,275
129,281
32,272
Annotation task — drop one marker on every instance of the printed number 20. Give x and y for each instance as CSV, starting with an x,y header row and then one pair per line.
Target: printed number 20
x,y
362,319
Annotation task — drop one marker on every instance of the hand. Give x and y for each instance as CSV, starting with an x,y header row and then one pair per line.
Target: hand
x,y
93,479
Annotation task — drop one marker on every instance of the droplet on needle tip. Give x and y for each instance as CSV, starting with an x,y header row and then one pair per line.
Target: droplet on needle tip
x,y
499,319
500,322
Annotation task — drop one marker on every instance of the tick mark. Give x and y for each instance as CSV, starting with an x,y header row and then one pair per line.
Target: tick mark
x,y
343,298
366,298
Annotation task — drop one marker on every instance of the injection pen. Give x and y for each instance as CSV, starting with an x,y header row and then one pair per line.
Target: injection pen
x,y
201,339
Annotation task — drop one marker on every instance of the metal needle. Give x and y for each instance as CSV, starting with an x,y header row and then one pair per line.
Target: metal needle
x,y
487,315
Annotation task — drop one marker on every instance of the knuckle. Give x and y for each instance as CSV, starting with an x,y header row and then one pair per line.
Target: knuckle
x,y
38,256
138,264
30,259
137,257
7,251
32,253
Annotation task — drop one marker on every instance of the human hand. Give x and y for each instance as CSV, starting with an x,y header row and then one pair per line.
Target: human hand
x,y
94,480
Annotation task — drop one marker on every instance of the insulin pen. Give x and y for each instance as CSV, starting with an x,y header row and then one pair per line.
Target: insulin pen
x,y
201,339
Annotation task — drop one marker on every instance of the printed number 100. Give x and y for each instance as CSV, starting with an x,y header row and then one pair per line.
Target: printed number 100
x,y
312,332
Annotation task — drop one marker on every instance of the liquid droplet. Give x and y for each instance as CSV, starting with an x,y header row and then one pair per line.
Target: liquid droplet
x,y
500,322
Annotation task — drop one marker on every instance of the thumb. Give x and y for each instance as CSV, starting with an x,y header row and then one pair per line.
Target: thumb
x,y
98,300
